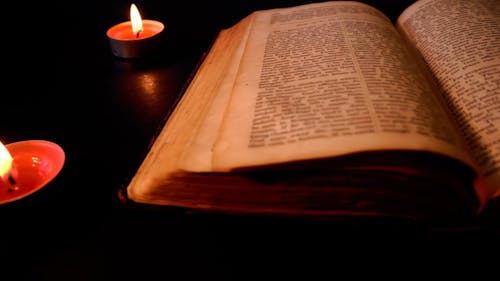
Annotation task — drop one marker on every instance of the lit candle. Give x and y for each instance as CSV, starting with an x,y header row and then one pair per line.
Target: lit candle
x,y
27,166
134,38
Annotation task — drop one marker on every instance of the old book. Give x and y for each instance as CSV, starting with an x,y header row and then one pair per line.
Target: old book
x,y
329,109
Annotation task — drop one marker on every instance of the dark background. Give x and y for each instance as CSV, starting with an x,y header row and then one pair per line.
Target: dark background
x,y
61,83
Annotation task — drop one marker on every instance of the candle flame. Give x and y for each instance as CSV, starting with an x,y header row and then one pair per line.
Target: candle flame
x,y
5,161
135,18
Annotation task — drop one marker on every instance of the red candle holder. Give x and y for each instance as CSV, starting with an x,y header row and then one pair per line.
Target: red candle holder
x,y
37,162
123,43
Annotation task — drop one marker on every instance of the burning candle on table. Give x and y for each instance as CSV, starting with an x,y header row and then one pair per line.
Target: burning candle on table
x,y
27,166
135,38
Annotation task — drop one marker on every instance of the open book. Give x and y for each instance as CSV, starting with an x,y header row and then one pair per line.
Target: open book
x,y
329,109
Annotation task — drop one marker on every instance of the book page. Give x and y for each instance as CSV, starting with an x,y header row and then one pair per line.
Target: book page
x,y
328,79
198,154
460,41
193,117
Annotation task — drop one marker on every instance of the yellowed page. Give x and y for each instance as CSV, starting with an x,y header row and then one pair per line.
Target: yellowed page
x,y
327,79
198,153
460,41
183,125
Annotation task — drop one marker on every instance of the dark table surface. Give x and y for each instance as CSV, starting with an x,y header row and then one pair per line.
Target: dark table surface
x,y
62,84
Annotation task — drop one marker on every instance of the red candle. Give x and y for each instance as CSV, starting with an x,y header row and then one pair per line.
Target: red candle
x,y
134,38
34,164
123,31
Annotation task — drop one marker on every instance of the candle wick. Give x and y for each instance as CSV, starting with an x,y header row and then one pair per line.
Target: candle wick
x,y
12,182
138,33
